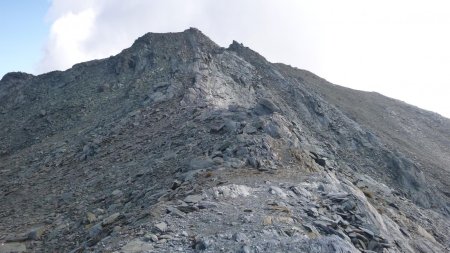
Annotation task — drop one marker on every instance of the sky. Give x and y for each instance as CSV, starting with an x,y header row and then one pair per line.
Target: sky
x,y
397,48
23,33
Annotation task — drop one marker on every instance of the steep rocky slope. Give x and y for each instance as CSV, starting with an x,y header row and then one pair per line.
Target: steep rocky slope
x,y
422,135
179,145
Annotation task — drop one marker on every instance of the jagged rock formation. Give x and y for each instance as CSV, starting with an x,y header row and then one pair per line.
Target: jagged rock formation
x,y
179,145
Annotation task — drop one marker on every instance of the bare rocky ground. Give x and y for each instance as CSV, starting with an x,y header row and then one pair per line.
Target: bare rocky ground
x,y
179,145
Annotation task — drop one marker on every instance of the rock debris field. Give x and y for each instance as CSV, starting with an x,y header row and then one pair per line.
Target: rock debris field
x,y
179,145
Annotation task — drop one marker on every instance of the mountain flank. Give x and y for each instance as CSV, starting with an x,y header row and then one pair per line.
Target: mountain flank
x,y
179,145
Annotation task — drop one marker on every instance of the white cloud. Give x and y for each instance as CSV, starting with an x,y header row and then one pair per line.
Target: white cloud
x,y
398,48
66,43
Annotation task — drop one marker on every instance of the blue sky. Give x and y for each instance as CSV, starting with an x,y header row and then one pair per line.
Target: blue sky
x,y
397,48
23,33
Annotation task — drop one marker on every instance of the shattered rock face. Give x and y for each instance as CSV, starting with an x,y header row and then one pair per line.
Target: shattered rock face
x,y
179,145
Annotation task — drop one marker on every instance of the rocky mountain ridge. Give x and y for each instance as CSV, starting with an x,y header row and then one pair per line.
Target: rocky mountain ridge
x,y
177,144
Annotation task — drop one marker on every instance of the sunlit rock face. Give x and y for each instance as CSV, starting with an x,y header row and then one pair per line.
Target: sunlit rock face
x,y
179,145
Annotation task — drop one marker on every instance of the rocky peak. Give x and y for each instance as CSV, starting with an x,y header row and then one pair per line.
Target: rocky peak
x,y
191,38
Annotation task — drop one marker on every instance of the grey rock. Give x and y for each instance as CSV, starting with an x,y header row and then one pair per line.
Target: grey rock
x,y
331,244
319,160
200,163
36,233
266,106
231,191
17,238
137,246
117,193
310,228
348,205
312,212
253,162
13,247
245,249
367,232
166,237
301,191
203,243
151,237
235,163
321,188
240,237
231,126
278,191
206,205
272,129
249,129
216,128
175,212
175,184
359,237
111,219
218,160
193,198
161,227
188,209
95,230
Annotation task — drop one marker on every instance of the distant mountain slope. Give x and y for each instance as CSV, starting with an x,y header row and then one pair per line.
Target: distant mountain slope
x,y
179,145
424,136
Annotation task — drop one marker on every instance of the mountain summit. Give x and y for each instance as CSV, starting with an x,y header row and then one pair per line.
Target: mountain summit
x,y
179,145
